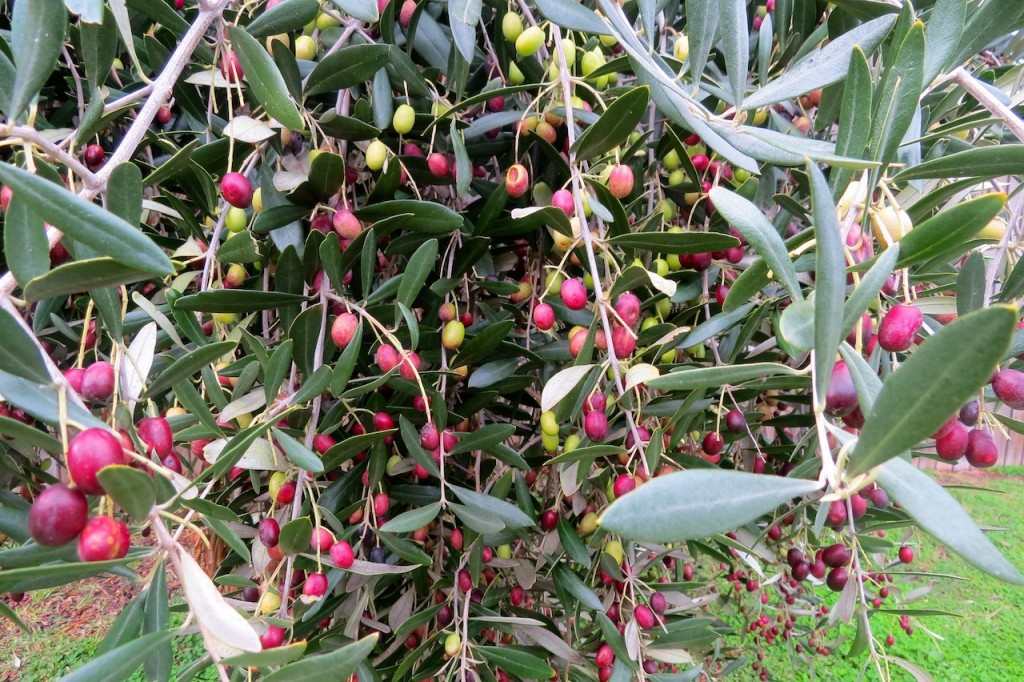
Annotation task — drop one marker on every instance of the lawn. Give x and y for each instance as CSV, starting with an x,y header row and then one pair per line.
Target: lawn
x,y
986,644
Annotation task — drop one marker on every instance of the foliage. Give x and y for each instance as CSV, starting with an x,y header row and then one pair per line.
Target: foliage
x,y
400,306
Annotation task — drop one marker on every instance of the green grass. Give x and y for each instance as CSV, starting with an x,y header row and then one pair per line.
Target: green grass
x,y
986,644
45,658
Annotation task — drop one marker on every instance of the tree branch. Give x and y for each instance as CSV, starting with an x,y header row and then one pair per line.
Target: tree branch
x,y
160,91
978,91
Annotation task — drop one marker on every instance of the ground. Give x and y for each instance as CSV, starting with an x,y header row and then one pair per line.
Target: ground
x,y
986,644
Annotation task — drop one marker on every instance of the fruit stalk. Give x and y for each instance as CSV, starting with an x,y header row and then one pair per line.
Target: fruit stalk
x,y
588,238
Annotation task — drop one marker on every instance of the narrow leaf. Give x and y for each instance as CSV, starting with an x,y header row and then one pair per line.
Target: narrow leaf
x,y
345,68
707,377
735,36
949,228
188,364
981,163
419,267
934,382
86,222
37,35
335,665
762,235
823,66
692,504
561,384
266,82
614,126
937,513
19,353
830,282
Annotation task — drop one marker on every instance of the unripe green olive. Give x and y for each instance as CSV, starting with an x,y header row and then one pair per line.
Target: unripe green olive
x,y
550,442
235,219
681,48
305,47
588,524
673,262
269,602
404,119
452,645
664,307
504,552
660,266
225,318
324,21
591,61
529,41
549,423
648,323
376,155
613,548
668,209
571,443
453,334
553,283
569,48
515,76
671,160
676,177
511,26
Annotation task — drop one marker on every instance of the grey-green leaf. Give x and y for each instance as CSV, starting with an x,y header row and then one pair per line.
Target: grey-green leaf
x,y
854,117
19,353
572,16
87,223
945,26
286,16
419,267
706,377
824,66
406,522
297,453
934,382
614,126
692,504
334,665
37,35
762,235
266,82
26,248
735,37
347,67
119,663
949,229
940,515
829,279
981,163
702,25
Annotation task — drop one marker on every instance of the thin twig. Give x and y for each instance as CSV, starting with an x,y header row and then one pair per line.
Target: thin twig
x,y
160,91
978,91
588,241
